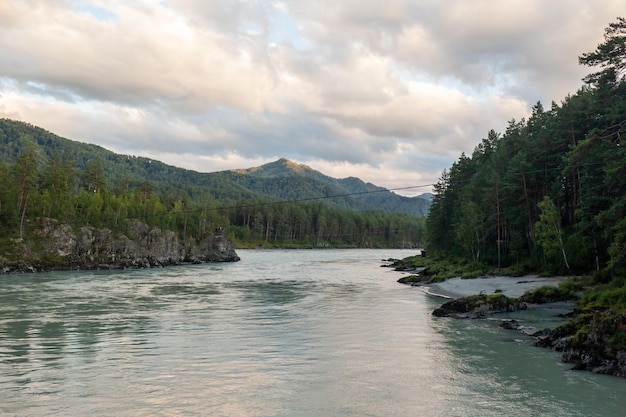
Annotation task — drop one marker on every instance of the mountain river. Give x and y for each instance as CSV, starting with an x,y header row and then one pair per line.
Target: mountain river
x,y
280,333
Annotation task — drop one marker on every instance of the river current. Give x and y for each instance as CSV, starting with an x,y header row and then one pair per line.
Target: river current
x,y
280,333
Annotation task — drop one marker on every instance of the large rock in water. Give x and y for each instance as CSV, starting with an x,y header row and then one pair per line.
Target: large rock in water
x,y
480,305
142,246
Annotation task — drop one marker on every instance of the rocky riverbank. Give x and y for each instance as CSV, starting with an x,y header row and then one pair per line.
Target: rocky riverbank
x,y
590,340
58,246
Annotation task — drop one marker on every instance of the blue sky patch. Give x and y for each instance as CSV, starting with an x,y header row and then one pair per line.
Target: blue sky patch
x,y
100,13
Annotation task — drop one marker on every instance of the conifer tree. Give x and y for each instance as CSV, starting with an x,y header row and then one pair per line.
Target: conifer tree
x,y
610,55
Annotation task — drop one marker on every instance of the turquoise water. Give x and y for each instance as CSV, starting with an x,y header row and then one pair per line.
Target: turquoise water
x,y
281,333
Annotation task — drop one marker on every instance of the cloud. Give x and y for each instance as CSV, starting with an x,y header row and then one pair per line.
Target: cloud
x,y
391,92
143,58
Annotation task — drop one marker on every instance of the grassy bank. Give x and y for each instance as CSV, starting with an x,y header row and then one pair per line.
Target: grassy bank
x,y
439,269
600,300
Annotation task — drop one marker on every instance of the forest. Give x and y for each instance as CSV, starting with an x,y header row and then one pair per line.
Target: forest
x,y
548,194
57,185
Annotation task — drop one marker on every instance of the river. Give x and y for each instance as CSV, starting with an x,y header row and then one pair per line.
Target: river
x,y
280,333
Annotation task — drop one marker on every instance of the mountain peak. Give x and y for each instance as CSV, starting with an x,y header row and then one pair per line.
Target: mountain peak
x,y
279,168
279,180
294,166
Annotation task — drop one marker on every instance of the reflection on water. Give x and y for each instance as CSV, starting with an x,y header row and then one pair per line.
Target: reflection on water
x,y
272,292
281,333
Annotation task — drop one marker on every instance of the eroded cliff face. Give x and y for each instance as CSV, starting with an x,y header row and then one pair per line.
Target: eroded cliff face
x,y
57,246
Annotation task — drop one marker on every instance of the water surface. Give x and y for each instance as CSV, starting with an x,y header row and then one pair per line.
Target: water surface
x,y
281,333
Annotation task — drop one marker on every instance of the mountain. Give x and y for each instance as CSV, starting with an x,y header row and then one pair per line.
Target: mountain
x,y
288,180
279,180
118,169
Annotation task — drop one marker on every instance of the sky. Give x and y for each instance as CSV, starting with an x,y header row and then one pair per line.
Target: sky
x,y
391,92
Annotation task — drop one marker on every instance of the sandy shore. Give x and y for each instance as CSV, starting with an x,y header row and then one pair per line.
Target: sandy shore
x,y
510,286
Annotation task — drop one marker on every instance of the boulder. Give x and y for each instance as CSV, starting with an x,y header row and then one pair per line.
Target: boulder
x,y
477,306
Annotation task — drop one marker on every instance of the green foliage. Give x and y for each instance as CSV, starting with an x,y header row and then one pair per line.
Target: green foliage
x,y
570,289
315,225
286,180
605,328
282,180
25,176
611,296
547,194
610,55
416,261
47,176
548,232
441,268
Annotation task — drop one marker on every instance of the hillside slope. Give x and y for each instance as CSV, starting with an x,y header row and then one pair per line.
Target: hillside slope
x,y
275,178
279,180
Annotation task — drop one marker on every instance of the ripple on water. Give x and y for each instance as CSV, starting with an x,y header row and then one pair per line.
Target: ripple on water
x,y
281,333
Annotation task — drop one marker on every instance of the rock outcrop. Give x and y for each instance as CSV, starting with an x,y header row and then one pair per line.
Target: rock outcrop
x,y
478,306
57,246
591,342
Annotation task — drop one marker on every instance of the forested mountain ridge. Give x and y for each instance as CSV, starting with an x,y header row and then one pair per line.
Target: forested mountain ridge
x,y
350,192
282,180
125,170
44,176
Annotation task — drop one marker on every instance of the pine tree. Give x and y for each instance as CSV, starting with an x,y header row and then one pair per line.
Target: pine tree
x,y
610,55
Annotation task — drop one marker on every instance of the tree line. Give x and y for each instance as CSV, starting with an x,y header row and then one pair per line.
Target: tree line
x,y
548,193
314,224
36,186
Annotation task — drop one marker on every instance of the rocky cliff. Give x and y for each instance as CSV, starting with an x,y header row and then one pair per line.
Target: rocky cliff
x,y
57,246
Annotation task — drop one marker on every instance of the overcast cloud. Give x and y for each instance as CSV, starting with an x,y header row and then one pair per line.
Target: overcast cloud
x,y
391,92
